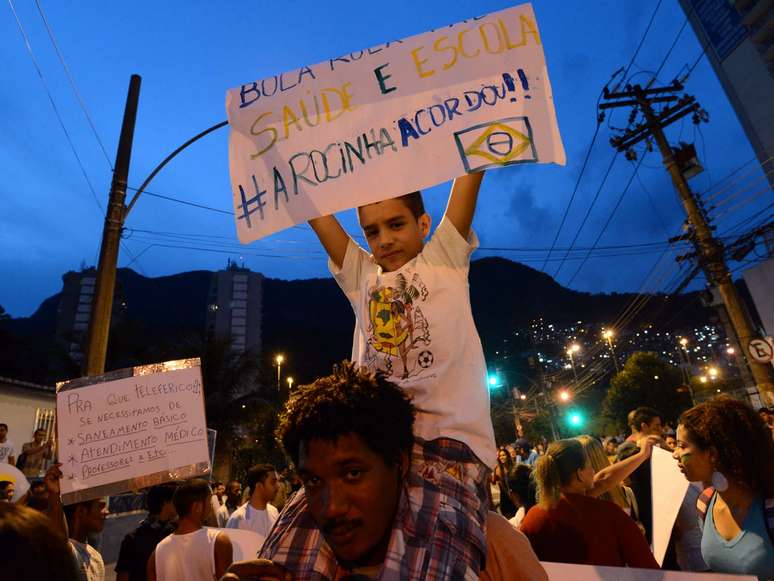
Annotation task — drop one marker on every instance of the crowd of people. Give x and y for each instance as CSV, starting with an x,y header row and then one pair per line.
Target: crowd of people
x,y
398,474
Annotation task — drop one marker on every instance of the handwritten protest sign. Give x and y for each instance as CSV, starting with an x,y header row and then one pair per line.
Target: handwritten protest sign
x,y
668,487
135,428
389,120
564,571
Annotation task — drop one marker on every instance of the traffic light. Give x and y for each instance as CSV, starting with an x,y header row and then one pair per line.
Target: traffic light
x,y
493,380
575,419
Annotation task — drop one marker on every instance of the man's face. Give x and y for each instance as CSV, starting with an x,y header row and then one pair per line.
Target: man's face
x,y
94,515
3,433
393,234
671,442
352,495
220,490
234,492
38,436
654,428
270,487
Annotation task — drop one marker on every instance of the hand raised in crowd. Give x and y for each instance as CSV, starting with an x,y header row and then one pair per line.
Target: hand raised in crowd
x,y
256,570
646,444
52,478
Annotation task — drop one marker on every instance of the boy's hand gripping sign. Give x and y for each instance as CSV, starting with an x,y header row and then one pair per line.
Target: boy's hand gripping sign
x,y
389,120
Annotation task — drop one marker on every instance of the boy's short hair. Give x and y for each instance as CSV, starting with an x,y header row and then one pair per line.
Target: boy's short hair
x,y
3,425
196,490
351,401
258,473
414,202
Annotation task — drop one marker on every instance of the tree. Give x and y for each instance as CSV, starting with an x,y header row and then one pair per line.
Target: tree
x,y
4,316
646,380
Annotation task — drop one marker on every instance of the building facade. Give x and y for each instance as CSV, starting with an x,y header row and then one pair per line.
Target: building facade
x,y
738,39
234,309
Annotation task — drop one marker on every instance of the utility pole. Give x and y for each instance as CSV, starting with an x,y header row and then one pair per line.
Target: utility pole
x,y
99,322
709,249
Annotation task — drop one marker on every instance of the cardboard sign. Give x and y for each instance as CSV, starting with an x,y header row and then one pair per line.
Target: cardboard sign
x,y
668,487
389,120
126,433
564,571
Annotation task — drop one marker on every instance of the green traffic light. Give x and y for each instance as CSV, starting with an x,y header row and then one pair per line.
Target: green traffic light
x,y
576,419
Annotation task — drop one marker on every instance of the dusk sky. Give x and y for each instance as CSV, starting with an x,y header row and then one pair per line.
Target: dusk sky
x,y
189,53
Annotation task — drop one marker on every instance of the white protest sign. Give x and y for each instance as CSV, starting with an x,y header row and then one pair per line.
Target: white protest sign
x,y
389,120
668,486
564,571
131,432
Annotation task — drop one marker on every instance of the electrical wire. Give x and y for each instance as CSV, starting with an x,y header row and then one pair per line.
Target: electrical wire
x,y
71,80
54,107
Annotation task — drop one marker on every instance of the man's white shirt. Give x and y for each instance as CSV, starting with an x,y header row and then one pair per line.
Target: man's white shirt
x,y
252,519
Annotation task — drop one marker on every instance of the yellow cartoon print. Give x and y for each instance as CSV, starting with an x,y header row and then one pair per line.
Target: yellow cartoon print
x,y
398,326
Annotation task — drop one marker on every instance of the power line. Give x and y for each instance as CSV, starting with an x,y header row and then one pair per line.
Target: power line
x,y
642,39
72,84
53,105
588,212
609,218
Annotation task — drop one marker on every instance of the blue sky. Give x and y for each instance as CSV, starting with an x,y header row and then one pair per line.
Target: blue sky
x,y
189,53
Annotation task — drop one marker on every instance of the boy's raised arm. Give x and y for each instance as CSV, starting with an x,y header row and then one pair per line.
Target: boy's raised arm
x,y
332,236
462,202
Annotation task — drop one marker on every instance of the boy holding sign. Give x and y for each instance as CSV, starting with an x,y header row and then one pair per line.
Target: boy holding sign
x,y
414,324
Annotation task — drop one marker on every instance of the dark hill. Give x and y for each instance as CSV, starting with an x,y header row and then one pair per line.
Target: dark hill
x,y
310,320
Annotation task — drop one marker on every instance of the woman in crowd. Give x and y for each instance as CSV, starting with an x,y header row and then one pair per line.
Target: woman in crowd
x,y
522,492
568,526
618,493
725,445
500,478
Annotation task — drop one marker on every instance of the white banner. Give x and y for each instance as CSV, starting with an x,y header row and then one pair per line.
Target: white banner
x,y
130,433
668,486
389,120
564,571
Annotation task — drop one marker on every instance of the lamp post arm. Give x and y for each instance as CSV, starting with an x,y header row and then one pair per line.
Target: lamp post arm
x,y
167,159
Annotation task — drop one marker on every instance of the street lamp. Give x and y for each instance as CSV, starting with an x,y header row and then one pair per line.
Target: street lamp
x,y
290,383
608,334
564,395
574,348
278,360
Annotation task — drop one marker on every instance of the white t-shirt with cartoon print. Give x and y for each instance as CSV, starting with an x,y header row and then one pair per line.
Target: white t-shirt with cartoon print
x,y
416,325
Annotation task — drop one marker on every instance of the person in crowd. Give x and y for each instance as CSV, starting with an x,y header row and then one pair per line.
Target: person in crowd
x,y
257,514
350,436
218,495
83,519
670,441
500,478
610,446
232,502
193,552
37,496
725,445
31,549
569,526
618,494
7,450
767,415
540,448
522,492
138,545
513,453
643,421
35,453
7,490
525,451
414,323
